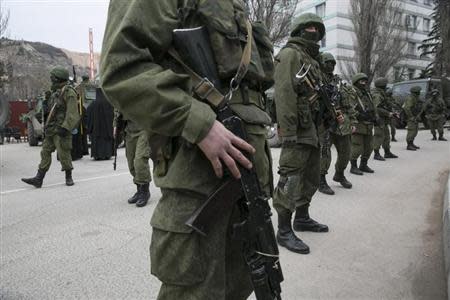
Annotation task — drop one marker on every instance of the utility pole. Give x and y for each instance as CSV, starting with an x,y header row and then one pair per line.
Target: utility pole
x,y
91,54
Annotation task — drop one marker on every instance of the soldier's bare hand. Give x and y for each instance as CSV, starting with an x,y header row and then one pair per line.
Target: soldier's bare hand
x,y
221,146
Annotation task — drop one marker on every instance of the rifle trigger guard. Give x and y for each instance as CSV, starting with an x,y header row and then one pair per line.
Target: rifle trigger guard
x,y
204,88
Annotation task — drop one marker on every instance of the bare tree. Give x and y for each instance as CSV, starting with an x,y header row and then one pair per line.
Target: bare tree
x,y
277,15
4,20
380,37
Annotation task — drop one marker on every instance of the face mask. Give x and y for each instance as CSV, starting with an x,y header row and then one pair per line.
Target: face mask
x,y
310,36
329,67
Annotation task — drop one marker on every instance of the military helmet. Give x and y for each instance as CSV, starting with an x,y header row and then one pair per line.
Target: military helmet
x,y
327,56
60,73
306,19
415,89
358,76
381,82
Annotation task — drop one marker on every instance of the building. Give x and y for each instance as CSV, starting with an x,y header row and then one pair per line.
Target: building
x,y
339,39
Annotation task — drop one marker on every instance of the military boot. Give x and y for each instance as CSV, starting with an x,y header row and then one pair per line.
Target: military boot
x,y
286,236
302,221
36,180
69,180
415,146
393,139
134,198
324,187
354,168
364,167
377,155
434,137
442,138
143,195
410,147
389,154
339,177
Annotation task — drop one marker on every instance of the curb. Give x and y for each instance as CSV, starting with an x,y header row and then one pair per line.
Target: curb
x,y
446,234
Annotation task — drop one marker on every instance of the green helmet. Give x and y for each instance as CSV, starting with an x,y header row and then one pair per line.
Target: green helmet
x,y
415,89
358,76
60,73
306,19
327,56
381,82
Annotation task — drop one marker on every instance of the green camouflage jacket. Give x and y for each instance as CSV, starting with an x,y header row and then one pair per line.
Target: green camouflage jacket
x,y
65,113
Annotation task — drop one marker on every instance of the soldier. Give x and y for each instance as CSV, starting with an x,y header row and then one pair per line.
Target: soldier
x,y
385,113
413,107
191,147
62,118
339,136
137,150
299,116
362,138
396,107
435,114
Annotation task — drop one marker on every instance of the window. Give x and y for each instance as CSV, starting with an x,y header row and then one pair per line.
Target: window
x,y
320,10
398,18
411,73
411,48
407,20
414,22
426,25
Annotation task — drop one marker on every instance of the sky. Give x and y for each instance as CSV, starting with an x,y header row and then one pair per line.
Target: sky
x,y
61,23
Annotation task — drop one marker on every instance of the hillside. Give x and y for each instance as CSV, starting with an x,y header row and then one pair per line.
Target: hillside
x,y
25,66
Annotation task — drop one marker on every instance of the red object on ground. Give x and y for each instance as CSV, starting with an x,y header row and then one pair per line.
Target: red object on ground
x,y
17,108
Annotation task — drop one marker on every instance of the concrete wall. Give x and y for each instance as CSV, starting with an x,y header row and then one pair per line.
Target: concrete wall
x,y
446,233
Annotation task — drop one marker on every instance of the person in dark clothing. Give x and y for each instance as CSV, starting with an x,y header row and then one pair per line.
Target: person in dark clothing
x,y
100,116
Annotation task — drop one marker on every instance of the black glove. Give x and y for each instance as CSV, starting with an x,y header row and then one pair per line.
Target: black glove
x,y
62,132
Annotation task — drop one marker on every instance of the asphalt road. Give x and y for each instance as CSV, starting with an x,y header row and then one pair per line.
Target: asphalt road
x,y
86,242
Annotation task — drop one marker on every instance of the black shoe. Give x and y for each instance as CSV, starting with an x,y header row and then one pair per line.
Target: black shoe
x,y
434,137
37,180
287,238
417,147
442,138
134,198
393,139
389,154
324,187
339,177
410,147
143,195
377,155
354,169
364,167
303,222
69,180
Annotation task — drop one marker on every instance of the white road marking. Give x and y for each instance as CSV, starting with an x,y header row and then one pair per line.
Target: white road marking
x,y
60,183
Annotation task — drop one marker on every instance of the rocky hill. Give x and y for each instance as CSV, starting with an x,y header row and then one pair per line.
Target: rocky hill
x,y
25,66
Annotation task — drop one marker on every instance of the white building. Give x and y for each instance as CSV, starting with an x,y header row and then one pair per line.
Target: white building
x,y
340,36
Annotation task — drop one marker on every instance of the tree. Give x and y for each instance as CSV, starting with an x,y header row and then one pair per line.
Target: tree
x,y
437,43
277,15
4,20
380,37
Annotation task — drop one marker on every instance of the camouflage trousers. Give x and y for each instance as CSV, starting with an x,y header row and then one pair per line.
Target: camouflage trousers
x,y
299,177
436,125
381,137
362,145
192,266
62,145
343,146
138,153
392,127
413,130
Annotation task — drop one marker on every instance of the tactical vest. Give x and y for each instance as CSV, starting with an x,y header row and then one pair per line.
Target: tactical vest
x,y
226,25
59,112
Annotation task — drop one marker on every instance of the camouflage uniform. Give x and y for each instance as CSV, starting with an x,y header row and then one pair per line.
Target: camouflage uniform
x,y
362,138
385,112
412,108
149,87
341,136
435,114
61,118
299,114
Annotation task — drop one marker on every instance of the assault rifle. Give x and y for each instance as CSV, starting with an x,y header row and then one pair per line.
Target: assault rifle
x,y
255,228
